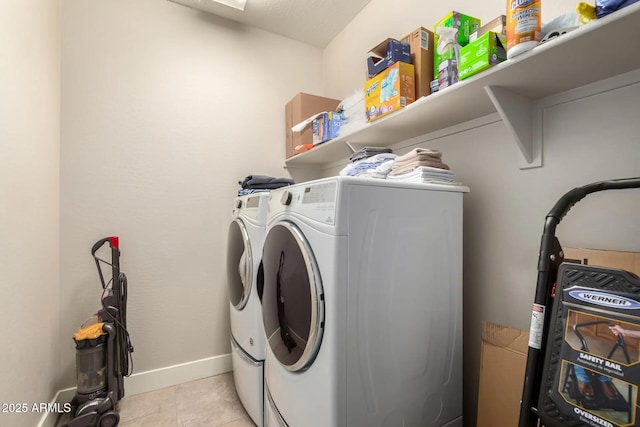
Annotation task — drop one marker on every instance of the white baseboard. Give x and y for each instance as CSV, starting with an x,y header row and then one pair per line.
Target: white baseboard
x,y
49,419
153,380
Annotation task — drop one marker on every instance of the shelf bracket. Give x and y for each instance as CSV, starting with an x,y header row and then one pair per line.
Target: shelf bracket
x,y
353,147
521,116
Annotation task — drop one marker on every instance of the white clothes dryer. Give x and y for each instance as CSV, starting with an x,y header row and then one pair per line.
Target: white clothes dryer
x,y
244,252
362,304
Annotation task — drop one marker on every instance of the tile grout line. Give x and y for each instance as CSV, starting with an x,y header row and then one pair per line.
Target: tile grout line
x,y
175,403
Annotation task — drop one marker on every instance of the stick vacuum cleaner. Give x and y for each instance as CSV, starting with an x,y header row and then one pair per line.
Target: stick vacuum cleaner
x,y
103,350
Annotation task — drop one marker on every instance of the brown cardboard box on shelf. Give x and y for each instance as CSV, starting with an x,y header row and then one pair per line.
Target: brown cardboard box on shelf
x,y
301,107
421,42
504,349
497,25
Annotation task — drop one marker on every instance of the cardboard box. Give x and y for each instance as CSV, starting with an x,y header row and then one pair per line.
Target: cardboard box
x,y
480,54
386,54
629,261
300,108
497,25
421,42
389,91
465,24
504,349
503,360
327,126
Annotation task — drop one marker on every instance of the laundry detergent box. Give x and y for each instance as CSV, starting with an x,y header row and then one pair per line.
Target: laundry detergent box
x,y
327,126
389,91
386,54
488,50
421,42
465,25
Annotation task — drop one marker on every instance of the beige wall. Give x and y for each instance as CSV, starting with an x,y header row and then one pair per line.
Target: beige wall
x,y
164,110
29,204
585,140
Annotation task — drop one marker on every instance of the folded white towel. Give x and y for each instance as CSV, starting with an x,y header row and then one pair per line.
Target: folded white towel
x,y
425,172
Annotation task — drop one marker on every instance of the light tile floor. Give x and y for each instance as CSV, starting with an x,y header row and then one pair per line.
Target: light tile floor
x,y
208,402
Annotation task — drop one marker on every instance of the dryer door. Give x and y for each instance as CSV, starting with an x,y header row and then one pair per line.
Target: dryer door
x,y
292,300
239,264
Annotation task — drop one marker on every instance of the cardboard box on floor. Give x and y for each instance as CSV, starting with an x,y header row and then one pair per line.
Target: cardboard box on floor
x,y
300,108
502,364
504,349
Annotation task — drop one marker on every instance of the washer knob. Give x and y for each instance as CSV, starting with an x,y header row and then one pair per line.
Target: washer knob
x,y
286,198
238,204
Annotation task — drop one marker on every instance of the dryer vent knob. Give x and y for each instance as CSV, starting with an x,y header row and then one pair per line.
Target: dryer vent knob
x,y
286,198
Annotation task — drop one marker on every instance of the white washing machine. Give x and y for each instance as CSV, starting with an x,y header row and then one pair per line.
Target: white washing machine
x,y
244,252
362,304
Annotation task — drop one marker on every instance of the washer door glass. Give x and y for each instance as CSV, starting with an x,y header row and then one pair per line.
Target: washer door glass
x,y
239,264
292,300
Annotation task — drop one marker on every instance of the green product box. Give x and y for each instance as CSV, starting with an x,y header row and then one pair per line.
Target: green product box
x,y
465,24
489,49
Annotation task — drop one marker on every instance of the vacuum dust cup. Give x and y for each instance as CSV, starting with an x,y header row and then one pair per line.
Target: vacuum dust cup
x,y
91,360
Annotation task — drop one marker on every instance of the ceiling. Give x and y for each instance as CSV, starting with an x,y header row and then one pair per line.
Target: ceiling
x,y
315,22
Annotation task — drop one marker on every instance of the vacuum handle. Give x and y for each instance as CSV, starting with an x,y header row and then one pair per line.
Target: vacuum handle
x,y
572,197
114,243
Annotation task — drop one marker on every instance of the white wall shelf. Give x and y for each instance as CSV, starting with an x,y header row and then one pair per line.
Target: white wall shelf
x,y
602,49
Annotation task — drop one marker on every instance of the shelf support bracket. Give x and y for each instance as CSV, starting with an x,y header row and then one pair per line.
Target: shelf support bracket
x,y
522,117
353,146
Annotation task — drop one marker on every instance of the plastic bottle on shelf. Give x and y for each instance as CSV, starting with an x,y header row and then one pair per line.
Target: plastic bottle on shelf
x,y
449,51
586,11
524,22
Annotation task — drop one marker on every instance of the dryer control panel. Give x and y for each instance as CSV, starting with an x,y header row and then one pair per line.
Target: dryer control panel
x,y
314,201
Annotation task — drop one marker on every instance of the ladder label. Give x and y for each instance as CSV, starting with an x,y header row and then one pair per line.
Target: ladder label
x,y
537,326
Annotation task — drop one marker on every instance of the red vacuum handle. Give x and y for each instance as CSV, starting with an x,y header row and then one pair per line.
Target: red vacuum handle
x,y
114,243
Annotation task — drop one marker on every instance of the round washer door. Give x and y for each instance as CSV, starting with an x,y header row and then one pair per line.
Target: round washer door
x,y
292,300
239,264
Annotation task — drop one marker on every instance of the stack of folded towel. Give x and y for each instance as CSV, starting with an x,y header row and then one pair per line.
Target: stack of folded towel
x,y
365,152
426,174
258,183
376,166
422,165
